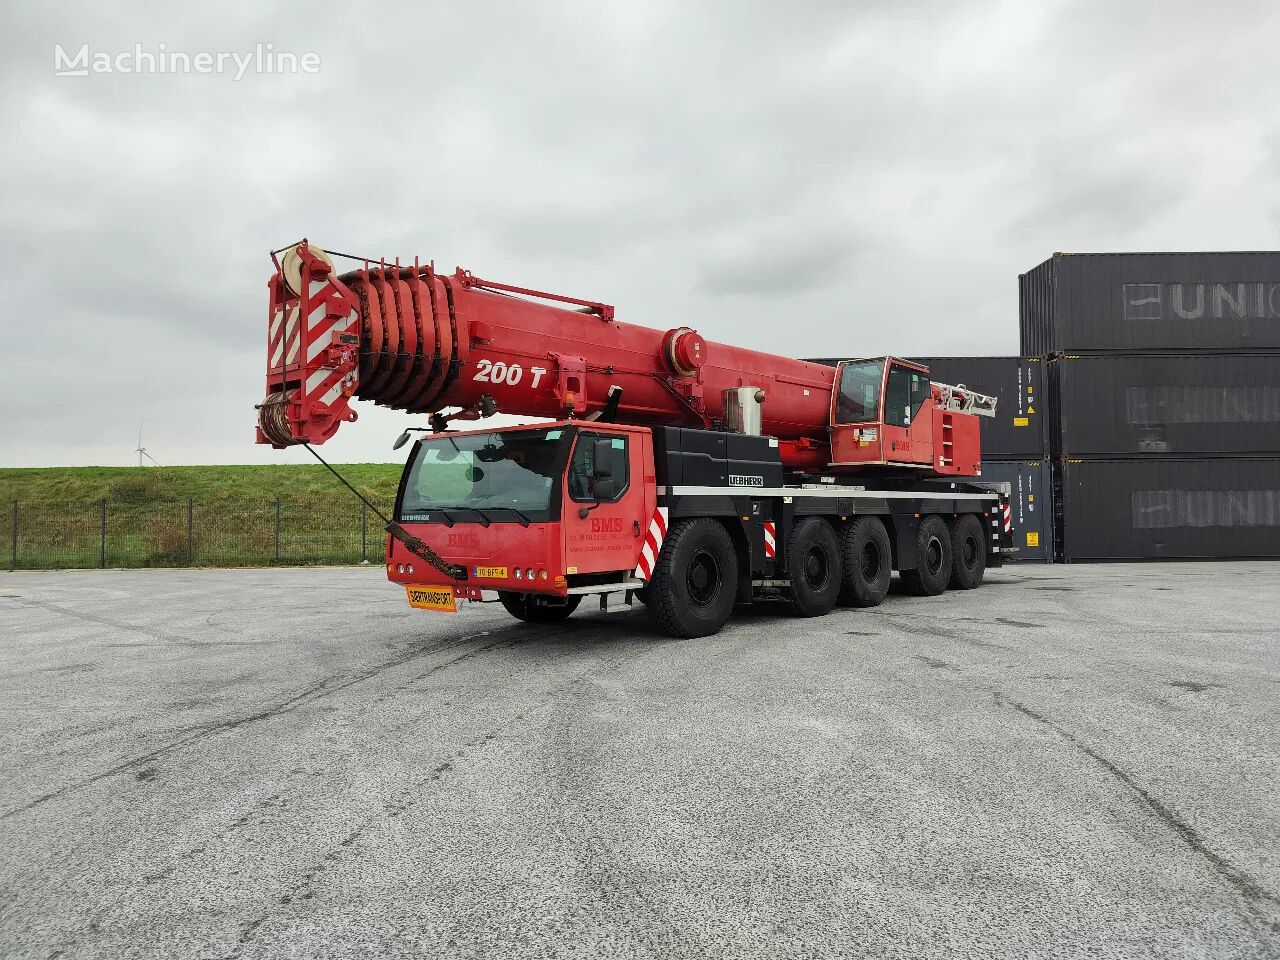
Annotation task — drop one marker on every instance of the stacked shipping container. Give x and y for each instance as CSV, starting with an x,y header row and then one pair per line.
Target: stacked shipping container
x,y
1163,377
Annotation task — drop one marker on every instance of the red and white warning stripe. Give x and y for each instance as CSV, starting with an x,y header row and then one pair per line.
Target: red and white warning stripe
x,y
770,544
1008,518
652,543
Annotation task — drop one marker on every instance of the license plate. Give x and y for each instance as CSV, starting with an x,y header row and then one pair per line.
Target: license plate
x,y
489,573
432,598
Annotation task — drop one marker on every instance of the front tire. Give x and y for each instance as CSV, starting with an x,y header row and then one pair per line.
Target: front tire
x,y
868,562
813,562
533,608
695,581
933,558
969,553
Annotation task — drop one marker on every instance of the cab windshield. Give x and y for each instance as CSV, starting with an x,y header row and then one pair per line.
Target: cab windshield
x,y
858,400
503,477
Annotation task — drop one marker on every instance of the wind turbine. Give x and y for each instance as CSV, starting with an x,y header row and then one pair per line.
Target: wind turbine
x,y
142,451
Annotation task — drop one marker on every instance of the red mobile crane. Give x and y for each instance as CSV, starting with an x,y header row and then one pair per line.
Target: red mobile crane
x,y
687,474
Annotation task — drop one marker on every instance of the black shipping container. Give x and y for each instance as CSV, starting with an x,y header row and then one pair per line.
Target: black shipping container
x,y
1019,429
1029,502
1150,405
1161,508
1149,302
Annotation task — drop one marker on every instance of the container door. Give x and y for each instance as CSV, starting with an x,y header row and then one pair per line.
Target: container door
x,y
605,482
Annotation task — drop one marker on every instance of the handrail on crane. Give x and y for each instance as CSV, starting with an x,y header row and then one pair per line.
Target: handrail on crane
x,y
467,279
961,398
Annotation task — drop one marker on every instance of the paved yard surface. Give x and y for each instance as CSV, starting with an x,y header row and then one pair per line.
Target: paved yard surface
x,y
291,763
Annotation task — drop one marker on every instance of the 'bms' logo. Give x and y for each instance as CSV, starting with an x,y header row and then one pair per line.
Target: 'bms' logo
x,y
606,524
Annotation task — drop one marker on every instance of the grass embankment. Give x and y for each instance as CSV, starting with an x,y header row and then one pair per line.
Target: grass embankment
x,y
215,515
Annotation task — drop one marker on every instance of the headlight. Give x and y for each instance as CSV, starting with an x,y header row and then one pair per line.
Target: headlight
x,y
542,574
529,573
518,574
409,568
399,568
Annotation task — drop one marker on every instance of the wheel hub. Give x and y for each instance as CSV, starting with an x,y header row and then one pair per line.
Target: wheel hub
x,y
703,579
933,555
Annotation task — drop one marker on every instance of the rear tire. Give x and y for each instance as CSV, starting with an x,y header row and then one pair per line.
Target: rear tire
x,y
933,558
868,562
813,562
969,553
533,608
695,580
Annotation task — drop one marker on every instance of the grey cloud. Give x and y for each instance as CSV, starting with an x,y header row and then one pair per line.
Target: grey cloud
x,y
876,174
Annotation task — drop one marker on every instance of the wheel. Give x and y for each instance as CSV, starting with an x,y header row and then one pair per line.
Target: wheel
x,y
933,558
695,581
813,562
868,562
969,553
532,608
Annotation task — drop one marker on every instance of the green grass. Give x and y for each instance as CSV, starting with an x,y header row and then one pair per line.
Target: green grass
x,y
206,515
200,483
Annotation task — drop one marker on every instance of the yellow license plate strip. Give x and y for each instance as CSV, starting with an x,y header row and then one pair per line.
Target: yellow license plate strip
x,y
490,573
432,598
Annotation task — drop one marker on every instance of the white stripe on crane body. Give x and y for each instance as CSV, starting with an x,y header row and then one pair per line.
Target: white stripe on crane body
x,y
825,491
290,325
320,343
654,536
332,393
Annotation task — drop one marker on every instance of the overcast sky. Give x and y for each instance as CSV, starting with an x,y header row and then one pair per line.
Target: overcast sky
x,y
807,178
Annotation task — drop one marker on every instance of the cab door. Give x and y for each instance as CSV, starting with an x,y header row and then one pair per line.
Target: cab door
x,y
604,502
907,434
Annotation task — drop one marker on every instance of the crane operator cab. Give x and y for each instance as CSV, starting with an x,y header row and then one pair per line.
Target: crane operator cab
x,y
887,412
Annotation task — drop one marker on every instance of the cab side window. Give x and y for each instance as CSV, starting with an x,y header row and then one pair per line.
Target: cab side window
x,y
582,468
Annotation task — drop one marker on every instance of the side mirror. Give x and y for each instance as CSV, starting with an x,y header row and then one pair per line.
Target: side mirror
x,y
401,441
602,454
605,488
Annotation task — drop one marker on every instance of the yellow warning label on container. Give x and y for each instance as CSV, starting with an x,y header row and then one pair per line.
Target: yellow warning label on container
x,y
1033,538
1021,422
1031,409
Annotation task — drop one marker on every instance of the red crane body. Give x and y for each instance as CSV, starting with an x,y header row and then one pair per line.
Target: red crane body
x,y
421,341
693,489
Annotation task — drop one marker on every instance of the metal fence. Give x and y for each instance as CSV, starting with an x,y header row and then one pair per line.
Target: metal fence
x,y
45,534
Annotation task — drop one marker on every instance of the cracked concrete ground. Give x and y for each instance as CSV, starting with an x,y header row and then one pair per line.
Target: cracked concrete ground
x,y
278,763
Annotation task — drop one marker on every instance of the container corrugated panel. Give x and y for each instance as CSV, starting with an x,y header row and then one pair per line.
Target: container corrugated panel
x,y
1152,405
1035,310
1029,503
1020,427
1150,302
1156,509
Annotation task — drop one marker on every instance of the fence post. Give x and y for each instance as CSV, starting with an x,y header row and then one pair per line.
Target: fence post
x,y
191,526
277,529
13,560
102,539
364,532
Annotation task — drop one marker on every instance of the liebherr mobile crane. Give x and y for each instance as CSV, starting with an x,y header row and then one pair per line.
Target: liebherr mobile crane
x,y
686,474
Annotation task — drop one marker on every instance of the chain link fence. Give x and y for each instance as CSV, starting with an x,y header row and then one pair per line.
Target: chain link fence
x,y
46,535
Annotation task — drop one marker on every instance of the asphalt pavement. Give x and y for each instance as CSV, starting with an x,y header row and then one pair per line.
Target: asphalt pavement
x,y
1077,760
